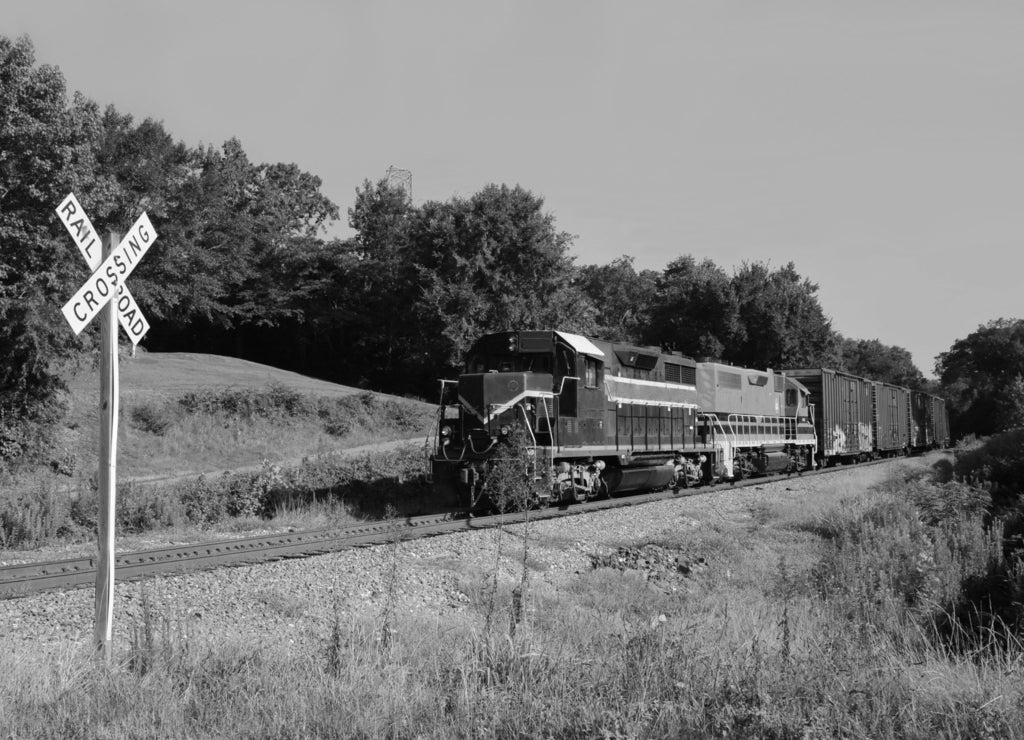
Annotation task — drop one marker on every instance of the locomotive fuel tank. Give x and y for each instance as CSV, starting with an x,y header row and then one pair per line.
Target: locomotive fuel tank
x,y
640,478
774,460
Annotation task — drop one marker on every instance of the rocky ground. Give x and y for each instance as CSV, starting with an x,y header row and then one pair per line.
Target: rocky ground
x,y
295,602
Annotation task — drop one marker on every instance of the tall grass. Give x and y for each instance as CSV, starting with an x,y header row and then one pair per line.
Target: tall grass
x,y
803,622
226,428
318,491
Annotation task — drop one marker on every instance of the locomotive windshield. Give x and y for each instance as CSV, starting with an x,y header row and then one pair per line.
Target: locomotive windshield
x,y
509,363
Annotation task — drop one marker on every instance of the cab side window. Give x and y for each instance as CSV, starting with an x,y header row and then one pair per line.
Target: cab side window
x,y
593,373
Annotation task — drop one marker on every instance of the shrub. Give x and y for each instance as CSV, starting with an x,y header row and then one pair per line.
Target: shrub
x,y
25,441
508,485
340,416
997,464
139,508
34,517
939,502
242,494
884,553
276,401
142,508
988,613
203,500
154,418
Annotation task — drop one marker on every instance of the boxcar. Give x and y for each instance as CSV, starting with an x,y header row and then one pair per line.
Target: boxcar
x,y
891,419
843,413
922,427
940,422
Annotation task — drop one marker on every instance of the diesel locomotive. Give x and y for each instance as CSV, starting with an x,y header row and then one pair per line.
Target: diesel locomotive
x,y
602,418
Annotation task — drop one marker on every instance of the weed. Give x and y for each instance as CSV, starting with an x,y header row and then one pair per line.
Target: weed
x,y
156,642
32,517
286,604
387,616
152,417
335,645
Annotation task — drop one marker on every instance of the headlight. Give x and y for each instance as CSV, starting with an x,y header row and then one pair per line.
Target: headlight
x,y
446,431
506,430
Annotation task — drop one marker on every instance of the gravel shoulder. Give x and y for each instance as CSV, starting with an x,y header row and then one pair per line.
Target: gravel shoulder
x,y
293,603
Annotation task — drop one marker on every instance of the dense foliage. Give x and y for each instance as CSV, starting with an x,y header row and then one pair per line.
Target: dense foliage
x,y
242,268
872,359
983,374
47,147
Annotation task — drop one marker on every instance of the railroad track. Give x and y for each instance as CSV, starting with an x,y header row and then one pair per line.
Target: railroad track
x,y
29,578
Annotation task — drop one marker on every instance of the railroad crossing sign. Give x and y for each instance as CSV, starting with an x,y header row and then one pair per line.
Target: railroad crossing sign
x,y
107,275
105,293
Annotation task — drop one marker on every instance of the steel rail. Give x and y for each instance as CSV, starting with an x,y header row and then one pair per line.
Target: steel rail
x,y
28,578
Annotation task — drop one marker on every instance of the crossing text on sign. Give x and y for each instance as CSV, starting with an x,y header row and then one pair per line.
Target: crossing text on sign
x,y
107,278
75,220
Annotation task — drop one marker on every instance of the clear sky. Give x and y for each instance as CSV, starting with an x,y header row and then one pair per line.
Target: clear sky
x,y
878,145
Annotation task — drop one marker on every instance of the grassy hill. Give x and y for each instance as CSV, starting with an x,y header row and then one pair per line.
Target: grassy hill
x,y
192,413
186,419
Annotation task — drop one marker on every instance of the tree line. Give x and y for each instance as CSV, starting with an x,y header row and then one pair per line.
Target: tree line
x,y
242,268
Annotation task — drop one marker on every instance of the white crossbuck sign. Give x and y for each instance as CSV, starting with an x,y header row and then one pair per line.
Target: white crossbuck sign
x,y
108,275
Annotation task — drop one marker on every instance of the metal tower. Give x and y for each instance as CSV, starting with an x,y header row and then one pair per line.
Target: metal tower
x,y
400,178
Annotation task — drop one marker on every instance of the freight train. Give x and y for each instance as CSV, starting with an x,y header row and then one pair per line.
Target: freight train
x,y
595,418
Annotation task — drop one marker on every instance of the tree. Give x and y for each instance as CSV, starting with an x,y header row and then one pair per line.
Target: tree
x,y
489,263
147,165
869,358
622,298
151,172
982,375
694,310
47,148
783,322
230,225
380,289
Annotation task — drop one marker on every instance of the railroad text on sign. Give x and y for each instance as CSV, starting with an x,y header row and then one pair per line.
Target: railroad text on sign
x,y
77,222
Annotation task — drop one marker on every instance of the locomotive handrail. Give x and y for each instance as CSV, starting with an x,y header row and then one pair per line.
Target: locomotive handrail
x,y
469,440
730,435
533,437
561,387
758,421
441,406
551,431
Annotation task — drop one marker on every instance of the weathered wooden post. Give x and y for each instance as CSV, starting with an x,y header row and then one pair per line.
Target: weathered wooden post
x,y
109,392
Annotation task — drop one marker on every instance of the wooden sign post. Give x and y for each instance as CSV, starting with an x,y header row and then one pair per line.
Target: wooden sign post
x,y
104,293
109,392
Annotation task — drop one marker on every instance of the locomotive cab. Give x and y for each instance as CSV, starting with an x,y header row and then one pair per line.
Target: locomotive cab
x,y
536,378
797,401
546,383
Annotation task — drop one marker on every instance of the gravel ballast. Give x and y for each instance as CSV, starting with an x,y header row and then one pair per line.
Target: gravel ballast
x,y
295,602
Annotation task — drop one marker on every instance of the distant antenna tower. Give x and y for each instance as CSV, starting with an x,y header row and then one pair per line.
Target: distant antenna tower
x,y
400,178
